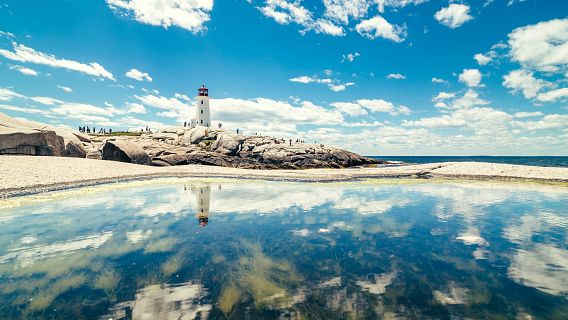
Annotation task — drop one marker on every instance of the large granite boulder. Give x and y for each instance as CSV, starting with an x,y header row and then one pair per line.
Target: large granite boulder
x,y
228,143
194,135
124,151
31,138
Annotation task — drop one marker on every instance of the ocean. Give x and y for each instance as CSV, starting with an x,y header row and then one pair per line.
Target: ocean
x,y
542,161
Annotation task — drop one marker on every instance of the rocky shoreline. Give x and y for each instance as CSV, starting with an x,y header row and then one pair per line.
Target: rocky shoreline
x,y
173,147
201,145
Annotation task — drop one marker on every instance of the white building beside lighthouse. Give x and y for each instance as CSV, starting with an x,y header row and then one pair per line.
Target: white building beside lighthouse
x,y
202,112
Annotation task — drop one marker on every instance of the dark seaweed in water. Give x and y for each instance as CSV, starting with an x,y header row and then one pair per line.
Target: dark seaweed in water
x,y
268,250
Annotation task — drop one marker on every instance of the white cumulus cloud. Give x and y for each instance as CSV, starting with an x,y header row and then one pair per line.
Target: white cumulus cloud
x,y
542,46
454,15
471,77
138,75
378,27
187,14
524,81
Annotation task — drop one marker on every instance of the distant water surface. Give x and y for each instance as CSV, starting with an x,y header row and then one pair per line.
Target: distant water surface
x,y
218,249
528,161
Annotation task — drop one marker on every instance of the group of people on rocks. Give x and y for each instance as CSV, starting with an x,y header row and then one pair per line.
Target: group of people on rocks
x,y
86,129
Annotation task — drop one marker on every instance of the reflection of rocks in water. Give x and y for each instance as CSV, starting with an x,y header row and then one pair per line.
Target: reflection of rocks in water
x,y
179,301
202,194
452,295
261,280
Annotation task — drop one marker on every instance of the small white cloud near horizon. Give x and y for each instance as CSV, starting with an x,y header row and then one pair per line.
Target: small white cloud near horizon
x,y
65,89
524,81
396,76
138,75
361,106
333,84
553,95
471,77
528,114
454,15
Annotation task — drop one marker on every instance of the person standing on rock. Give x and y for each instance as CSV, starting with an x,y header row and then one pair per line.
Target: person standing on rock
x,y
290,141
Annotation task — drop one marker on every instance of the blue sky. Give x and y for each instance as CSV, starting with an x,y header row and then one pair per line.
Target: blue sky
x,y
379,77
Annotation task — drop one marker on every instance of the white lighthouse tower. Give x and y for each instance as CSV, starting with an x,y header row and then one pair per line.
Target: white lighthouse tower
x,y
202,113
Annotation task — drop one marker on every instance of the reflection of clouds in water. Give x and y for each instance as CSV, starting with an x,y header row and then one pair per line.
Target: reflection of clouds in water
x,y
28,239
138,235
301,232
366,206
451,295
270,197
539,265
471,237
480,254
28,255
532,224
180,301
379,284
542,267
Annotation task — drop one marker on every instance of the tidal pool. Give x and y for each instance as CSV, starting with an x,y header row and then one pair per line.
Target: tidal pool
x,y
217,249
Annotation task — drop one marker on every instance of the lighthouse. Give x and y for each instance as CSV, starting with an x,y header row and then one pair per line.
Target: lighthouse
x,y
202,113
202,194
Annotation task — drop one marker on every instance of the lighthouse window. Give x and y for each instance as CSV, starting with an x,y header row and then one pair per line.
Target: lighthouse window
x,y
201,101
201,121
201,111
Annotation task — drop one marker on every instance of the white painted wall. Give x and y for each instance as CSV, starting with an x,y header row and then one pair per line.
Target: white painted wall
x,y
202,112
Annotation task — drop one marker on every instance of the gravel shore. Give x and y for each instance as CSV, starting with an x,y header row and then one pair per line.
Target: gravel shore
x,y
28,174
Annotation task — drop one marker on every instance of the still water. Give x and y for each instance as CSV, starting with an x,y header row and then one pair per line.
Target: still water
x,y
217,249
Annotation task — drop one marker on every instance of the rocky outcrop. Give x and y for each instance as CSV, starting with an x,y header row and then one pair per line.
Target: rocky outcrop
x,y
30,138
124,151
221,148
174,146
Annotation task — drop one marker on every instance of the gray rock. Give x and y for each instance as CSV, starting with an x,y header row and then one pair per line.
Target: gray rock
x,y
31,138
194,135
124,151
228,143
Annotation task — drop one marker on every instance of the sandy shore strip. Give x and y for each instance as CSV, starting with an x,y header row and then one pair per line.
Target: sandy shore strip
x,y
22,175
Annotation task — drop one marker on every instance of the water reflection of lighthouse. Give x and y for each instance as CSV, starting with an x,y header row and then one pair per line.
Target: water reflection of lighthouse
x,y
202,194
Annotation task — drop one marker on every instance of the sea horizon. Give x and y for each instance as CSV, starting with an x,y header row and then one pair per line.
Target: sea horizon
x,y
544,161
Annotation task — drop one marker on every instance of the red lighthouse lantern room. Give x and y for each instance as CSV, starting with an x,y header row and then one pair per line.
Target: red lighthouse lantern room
x,y
203,92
